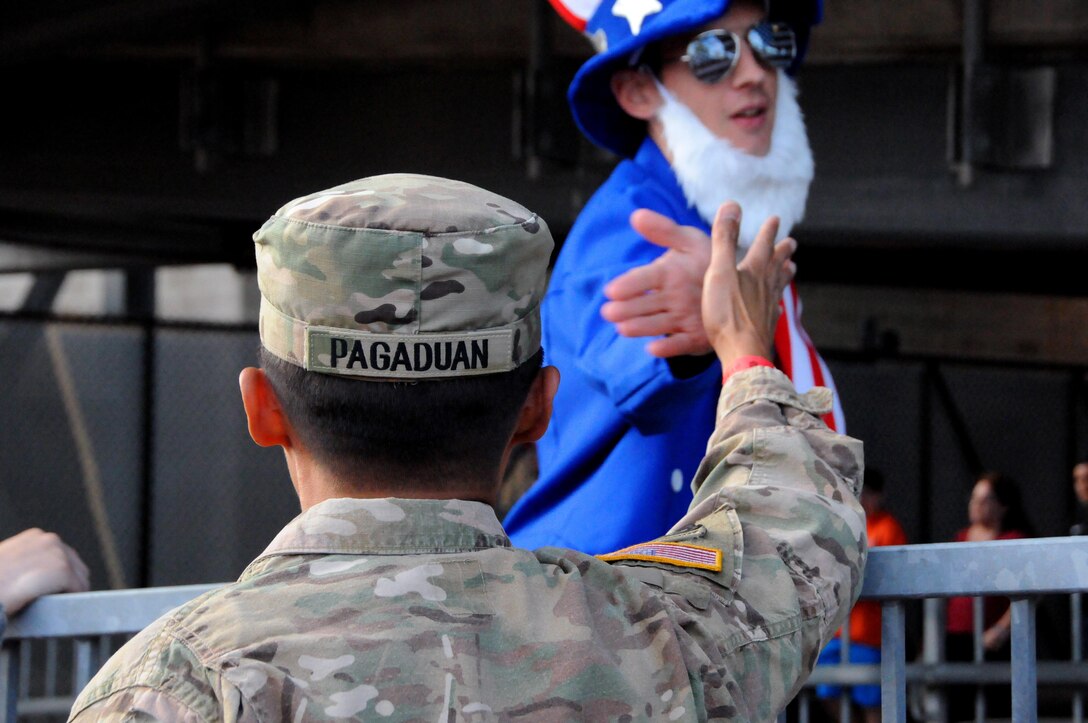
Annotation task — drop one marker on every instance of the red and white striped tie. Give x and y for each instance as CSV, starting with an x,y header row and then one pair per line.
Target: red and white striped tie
x,y
798,358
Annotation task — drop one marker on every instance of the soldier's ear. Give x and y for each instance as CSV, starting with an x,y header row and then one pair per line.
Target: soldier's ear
x,y
268,424
536,412
636,92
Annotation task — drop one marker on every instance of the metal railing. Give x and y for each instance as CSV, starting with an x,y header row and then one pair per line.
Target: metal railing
x,y
1023,570
94,623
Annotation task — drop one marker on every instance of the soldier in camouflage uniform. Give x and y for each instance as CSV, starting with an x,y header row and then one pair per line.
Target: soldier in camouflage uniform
x,y
396,595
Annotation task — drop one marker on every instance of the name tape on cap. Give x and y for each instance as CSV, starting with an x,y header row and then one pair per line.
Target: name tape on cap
x,y
404,356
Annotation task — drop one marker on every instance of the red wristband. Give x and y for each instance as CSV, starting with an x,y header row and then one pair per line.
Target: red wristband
x,y
745,362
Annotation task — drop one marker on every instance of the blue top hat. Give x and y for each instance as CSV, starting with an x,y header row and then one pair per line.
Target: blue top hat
x,y
621,28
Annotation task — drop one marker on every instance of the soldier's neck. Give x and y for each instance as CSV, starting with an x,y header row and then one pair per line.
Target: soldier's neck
x,y
315,483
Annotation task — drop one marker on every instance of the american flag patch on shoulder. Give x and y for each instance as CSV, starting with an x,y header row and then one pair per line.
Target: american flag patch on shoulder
x,y
670,553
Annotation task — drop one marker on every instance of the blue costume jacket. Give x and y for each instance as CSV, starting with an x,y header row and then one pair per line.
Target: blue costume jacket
x,y
626,436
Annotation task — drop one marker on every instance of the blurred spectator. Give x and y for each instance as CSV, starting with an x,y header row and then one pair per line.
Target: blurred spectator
x,y
882,529
1080,491
35,563
995,512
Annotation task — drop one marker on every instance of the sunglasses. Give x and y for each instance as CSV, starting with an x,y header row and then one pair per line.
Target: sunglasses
x,y
711,55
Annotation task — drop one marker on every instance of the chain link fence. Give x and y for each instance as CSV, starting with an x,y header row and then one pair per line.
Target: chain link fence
x,y
129,441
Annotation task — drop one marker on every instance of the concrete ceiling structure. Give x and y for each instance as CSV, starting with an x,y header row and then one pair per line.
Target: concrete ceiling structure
x,y
163,131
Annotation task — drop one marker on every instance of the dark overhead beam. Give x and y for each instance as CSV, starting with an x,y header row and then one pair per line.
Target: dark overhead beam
x,y
413,31
37,260
35,241
22,42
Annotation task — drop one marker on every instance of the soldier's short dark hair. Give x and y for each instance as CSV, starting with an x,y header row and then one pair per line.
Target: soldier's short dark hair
x,y
432,433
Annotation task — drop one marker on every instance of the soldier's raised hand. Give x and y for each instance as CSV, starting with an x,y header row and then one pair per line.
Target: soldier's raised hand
x,y
740,301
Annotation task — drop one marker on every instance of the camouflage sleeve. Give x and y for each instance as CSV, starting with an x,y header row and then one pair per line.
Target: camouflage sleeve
x,y
153,677
776,494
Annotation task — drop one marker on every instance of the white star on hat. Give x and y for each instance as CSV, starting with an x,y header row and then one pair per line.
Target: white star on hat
x,y
635,11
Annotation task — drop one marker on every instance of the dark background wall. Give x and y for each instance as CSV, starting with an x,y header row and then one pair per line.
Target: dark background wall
x,y
134,447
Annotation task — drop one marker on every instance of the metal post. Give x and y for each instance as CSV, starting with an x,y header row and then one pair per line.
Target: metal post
x,y
974,36
978,627
933,652
40,296
50,667
803,703
1077,630
540,43
25,660
1024,708
82,663
893,663
925,453
140,304
9,681
103,651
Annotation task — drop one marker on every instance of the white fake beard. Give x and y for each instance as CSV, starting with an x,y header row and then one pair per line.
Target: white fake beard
x,y
711,170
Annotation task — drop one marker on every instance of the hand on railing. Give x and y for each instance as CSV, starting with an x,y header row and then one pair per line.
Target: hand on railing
x,y
35,563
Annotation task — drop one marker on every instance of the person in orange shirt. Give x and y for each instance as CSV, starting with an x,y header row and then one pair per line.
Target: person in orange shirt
x,y
882,529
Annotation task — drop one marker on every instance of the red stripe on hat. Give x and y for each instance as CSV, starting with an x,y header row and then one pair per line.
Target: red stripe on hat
x,y
568,15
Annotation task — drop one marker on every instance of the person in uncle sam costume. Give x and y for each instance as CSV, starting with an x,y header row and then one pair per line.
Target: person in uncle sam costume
x,y
400,365
697,98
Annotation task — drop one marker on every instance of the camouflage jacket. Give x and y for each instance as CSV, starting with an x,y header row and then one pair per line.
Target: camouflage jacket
x,y
420,610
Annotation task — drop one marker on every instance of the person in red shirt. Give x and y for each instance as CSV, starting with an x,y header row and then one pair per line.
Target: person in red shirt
x,y
882,529
995,512
1080,491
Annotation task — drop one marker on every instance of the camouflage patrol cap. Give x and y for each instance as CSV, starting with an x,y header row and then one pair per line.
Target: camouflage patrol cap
x,y
402,276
